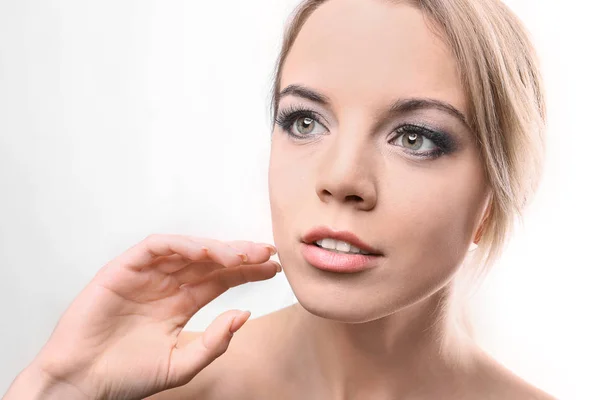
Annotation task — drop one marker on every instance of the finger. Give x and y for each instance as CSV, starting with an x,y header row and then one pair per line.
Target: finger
x,y
207,288
195,273
169,264
217,249
188,361
244,247
257,252
185,270
145,253
175,263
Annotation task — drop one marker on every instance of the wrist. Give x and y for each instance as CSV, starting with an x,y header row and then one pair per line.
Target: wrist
x,y
33,383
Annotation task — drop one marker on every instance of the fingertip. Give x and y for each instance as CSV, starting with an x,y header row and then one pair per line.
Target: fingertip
x,y
272,249
278,266
239,320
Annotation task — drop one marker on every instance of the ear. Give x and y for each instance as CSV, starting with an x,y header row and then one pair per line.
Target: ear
x,y
483,223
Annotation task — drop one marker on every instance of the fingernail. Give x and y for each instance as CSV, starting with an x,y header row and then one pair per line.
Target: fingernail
x,y
279,269
272,250
236,326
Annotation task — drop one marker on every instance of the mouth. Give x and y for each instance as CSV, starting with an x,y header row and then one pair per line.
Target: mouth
x,y
338,261
341,247
343,242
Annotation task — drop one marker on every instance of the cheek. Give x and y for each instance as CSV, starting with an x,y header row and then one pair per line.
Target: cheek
x,y
436,213
288,191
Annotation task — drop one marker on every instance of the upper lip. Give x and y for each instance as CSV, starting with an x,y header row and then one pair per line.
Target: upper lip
x,y
322,232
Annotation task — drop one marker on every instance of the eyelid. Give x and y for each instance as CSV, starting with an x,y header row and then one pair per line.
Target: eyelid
x,y
287,116
299,109
294,111
417,128
444,142
433,143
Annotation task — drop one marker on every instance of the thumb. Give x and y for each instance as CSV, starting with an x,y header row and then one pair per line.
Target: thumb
x,y
189,360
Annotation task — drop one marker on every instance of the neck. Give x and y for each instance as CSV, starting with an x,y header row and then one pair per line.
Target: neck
x,y
396,356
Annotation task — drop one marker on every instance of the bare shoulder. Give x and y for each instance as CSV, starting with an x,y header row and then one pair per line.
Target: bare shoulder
x,y
250,367
498,382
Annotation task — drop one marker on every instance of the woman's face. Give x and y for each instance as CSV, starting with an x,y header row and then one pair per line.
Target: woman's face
x,y
408,181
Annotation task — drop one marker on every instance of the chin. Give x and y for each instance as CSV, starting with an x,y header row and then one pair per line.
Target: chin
x,y
336,310
359,297
353,309
342,300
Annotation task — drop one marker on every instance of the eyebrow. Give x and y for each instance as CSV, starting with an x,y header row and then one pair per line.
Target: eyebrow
x,y
399,106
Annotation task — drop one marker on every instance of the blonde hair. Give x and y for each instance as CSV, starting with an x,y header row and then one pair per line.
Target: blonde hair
x,y
501,77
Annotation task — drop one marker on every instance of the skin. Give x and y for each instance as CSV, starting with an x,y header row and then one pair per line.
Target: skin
x,y
352,178
371,334
368,335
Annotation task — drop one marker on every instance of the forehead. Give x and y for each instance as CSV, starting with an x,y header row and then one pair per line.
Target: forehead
x,y
372,52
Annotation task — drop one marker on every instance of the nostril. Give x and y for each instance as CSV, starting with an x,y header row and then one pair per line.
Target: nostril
x,y
354,197
326,192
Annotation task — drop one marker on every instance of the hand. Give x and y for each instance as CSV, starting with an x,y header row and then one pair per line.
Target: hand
x,y
118,339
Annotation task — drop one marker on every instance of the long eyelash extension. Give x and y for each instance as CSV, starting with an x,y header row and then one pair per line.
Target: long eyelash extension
x,y
289,115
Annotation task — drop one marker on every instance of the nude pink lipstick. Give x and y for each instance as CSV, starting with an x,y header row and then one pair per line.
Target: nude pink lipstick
x,y
332,260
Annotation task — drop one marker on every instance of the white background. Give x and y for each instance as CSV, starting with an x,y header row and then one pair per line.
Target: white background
x,y
123,118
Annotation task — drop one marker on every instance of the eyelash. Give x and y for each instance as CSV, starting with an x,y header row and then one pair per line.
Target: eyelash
x,y
287,117
444,143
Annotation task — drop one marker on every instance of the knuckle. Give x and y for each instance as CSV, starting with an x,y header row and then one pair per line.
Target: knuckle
x,y
221,348
151,238
198,252
201,240
151,243
238,243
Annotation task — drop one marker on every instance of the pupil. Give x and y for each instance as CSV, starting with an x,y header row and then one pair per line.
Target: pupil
x,y
412,141
305,124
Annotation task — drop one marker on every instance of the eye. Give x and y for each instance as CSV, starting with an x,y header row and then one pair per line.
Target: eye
x,y
423,142
305,125
300,122
416,142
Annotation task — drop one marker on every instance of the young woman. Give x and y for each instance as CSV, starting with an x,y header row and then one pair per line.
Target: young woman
x,y
406,133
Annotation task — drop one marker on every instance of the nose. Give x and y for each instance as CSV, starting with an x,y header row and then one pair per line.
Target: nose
x,y
346,174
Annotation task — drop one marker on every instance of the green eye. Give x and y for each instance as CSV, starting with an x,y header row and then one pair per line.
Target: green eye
x,y
416,142
422,142
305,125
412,141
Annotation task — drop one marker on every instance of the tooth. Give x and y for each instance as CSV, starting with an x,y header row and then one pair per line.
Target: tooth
x,y
354,249
328,243
342,246
338,245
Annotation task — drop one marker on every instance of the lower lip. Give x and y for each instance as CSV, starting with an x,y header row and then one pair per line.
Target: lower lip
x,y
337,262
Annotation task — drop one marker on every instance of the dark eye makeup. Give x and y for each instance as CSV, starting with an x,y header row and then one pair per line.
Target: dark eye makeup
x,y
444,143
288,116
